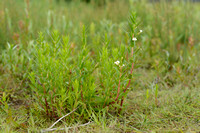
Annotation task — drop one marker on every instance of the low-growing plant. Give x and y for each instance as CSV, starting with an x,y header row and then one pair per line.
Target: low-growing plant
x,y
4,102
62,82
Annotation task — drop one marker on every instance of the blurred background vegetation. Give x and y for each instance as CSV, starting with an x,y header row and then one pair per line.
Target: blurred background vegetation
x,y
168,25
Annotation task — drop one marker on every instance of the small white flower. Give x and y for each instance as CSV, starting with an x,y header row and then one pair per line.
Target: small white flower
x,y
141,31
117,62
123,65
134,39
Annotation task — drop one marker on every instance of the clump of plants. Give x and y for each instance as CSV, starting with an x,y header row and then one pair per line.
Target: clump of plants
x,y
61,82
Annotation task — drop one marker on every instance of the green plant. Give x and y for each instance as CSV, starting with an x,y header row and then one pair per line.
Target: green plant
x,y
4,102
62,82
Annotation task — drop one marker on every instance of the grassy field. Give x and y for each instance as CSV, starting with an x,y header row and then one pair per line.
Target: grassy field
x,y
115,66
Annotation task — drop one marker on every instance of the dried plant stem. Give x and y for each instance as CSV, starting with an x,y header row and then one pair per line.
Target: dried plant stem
x,y
53,129
62,118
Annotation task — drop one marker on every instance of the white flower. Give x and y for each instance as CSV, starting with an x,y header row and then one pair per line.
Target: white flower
x,y
117,62
123,65
141,31
134,39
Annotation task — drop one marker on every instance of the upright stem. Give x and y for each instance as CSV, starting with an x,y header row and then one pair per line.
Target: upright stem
x,y
118,90
129,82
46,103
82,93
132,67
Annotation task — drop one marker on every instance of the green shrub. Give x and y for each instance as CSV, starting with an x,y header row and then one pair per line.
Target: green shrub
x,y
62,82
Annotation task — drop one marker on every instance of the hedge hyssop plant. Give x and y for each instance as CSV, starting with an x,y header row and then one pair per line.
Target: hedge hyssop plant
x,y
62,82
